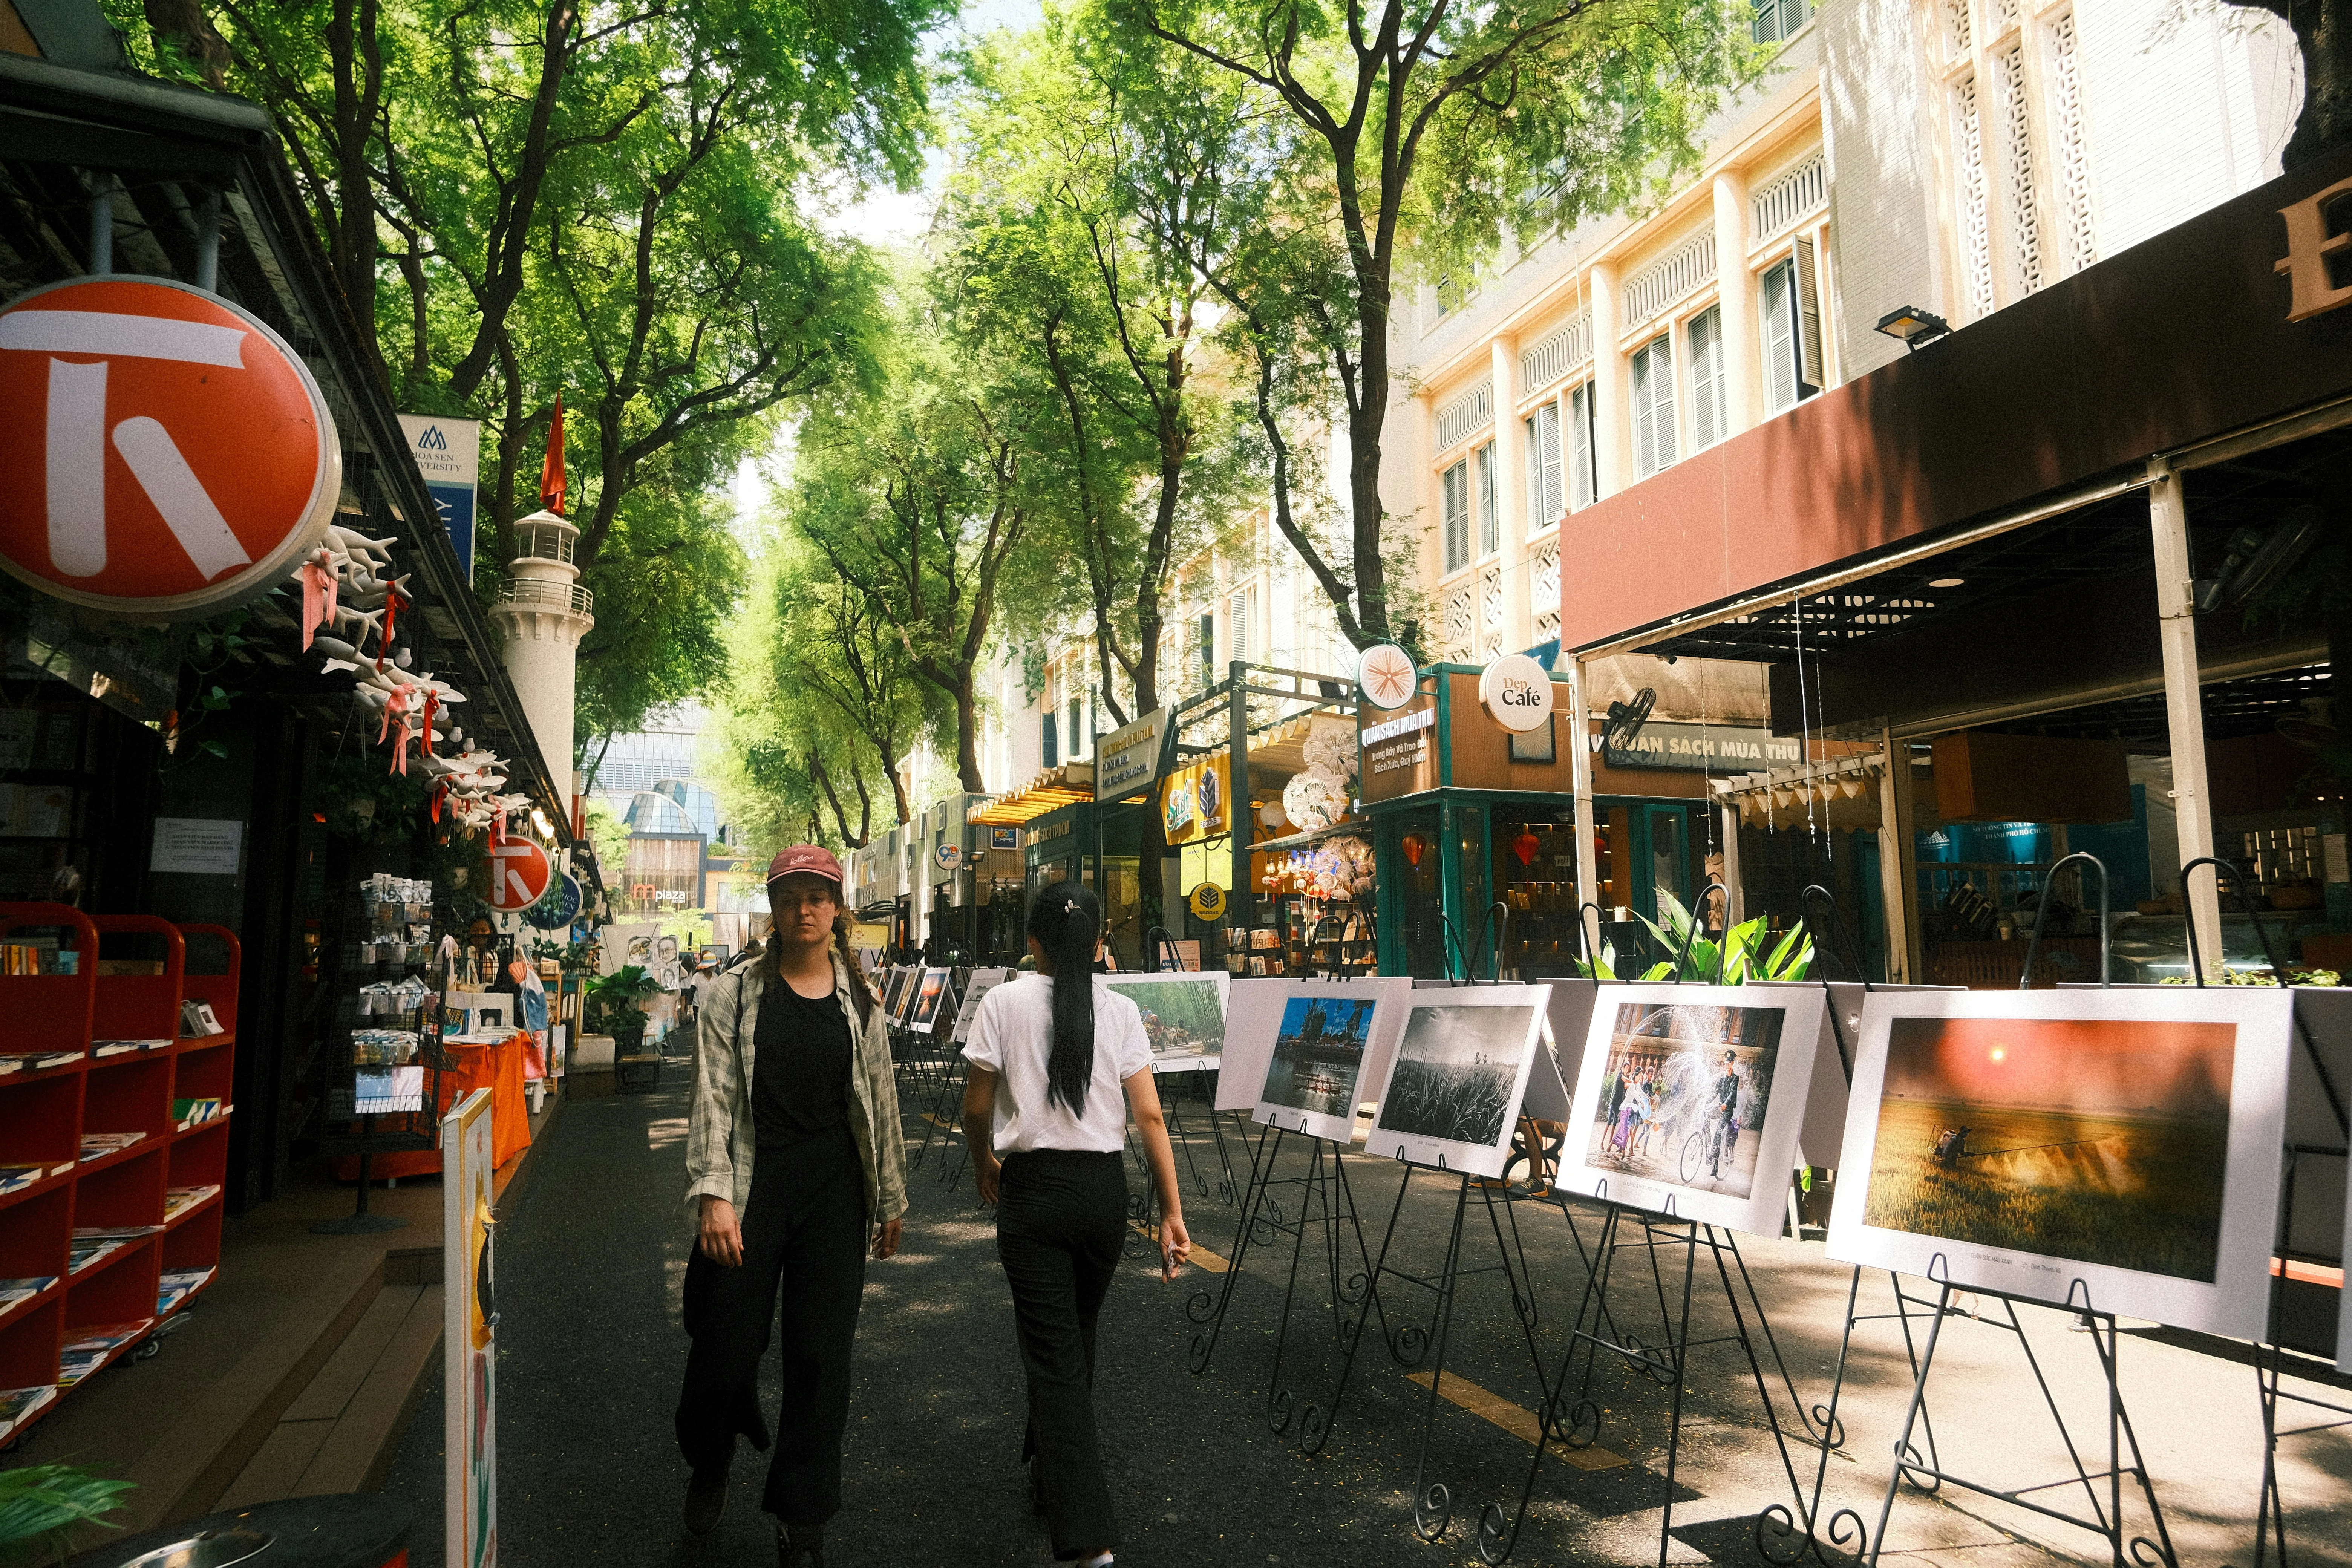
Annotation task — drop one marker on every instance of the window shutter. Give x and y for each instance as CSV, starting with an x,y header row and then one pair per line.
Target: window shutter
x,y
1456,500
1706,379
1490,537
1780,337
1051,754
1811,367
1654,399
1583,479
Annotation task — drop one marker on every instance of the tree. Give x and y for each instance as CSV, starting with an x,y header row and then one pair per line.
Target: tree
x,y
1093,177
917,497
1432,128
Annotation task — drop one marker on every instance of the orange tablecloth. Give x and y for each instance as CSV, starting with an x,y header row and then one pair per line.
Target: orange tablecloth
x,y
499,1069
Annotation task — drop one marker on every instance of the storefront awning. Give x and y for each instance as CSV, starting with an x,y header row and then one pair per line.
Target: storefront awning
x,y
1049,791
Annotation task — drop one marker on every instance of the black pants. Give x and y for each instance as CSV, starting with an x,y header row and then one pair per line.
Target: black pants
x,y
1061,1220
804,1238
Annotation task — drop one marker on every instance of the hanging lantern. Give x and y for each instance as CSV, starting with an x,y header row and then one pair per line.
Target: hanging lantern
x,y
1415,846
1525,846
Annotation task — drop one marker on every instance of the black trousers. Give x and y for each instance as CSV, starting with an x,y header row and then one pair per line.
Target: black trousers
x,y
1061,1219
804,1241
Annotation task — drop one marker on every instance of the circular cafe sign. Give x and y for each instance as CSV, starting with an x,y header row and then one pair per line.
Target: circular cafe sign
x,y
1387,676
1516,690
167,453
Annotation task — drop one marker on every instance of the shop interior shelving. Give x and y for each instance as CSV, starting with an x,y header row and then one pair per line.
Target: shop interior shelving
x,y
46,1113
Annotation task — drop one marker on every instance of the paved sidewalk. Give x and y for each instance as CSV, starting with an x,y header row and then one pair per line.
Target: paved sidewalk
x,y
591,1261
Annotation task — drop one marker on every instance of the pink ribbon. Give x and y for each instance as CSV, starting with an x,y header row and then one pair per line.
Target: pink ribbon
x,y
319,585
393,706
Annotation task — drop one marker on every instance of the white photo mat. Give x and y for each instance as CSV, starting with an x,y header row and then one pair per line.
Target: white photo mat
x,y
1386,1001
1176,1056
2234,1301
1821,1140
983,980
920,1018
1446,1053
1673,1164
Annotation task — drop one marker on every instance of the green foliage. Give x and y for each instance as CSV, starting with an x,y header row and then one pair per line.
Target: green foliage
x,y
38,1503
2262,976
1737,959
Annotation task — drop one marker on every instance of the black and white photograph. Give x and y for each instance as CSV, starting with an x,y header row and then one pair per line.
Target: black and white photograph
x,y
983,980
1460,1071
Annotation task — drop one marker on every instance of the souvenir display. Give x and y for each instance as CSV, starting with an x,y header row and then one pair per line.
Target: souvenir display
x,y
1453,1093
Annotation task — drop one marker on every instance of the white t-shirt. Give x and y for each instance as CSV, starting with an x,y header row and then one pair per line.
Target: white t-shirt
x,y
1013,1034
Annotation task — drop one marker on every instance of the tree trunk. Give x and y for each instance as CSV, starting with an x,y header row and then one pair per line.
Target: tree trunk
x,y
2323,33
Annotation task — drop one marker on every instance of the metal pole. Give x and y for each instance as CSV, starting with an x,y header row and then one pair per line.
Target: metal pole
x,y
1736,898
1580,772
1898,876
208,244
2176,610
101,236
1238,812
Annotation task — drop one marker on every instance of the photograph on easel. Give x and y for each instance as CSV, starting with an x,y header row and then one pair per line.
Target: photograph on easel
x,y
1684,1094
1319,1055
1183,1014
2119,1149
927,1001
1460,1071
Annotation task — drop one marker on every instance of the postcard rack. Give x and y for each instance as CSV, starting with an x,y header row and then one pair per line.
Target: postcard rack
x,y
113,1139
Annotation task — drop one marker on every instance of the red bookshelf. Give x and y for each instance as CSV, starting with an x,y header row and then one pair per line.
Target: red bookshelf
x,y
46,1112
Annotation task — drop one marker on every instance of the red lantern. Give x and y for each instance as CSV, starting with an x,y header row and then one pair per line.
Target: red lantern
x,y
1413,847
1525,846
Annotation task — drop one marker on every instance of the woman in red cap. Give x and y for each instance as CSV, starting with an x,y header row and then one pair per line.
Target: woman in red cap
x,y
794,1162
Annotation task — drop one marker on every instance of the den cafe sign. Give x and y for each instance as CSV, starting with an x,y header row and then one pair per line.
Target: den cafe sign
x,y
168,455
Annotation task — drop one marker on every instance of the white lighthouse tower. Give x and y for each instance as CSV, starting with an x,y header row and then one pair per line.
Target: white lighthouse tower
x,y
545,612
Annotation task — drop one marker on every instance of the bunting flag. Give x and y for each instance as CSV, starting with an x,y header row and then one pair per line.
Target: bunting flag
x,y
431,707
319,584
551,471
391,615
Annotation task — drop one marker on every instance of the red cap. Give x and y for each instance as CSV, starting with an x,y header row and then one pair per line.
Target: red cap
x,y
814,859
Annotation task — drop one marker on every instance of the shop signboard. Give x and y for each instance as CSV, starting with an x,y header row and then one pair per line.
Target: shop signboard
x,y
1516,692
448,453
1194,802
1702,749
170,455
520,875
469,1331
1400,754
557,907
1128,759
1387,676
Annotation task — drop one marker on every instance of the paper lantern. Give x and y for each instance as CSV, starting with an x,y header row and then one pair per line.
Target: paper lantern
x,y
1414,847
1525,846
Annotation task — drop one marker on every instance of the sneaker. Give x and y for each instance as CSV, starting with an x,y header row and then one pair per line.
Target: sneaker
x,y
801,1548
706,1500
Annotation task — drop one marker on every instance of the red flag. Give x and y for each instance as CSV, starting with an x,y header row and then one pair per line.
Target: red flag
x,y
551,472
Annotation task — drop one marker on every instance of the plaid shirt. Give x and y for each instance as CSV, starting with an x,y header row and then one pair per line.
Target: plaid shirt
x,y
720,1144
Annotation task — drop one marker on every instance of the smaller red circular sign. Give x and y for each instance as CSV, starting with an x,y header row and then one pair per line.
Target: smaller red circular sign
x,y
519,873
168,453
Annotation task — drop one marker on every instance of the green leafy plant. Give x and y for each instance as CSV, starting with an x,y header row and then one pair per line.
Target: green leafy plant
x,y
2262,976
38,1503
1737,959
614,1003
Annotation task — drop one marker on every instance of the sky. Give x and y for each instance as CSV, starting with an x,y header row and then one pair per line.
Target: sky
x,y
2084,1066
884,218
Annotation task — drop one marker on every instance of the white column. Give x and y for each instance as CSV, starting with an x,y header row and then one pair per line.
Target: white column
x,y
1612,426
2175,612
1510,491
1898,882
1578,741
1735,288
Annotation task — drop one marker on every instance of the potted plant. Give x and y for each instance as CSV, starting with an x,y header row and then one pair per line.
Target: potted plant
x,y
40,1504
616,1007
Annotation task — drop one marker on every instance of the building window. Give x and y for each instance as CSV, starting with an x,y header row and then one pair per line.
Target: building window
x,y
1490,535
1707,378
1654,406
1544,470
1208,636
1792,330
1052,754
1777,20
1241,615
1456,495
2066,116
1583,479
1076,733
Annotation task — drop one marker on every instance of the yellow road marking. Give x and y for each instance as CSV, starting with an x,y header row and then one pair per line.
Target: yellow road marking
x,y
1200,1255
940,1122
1518,1423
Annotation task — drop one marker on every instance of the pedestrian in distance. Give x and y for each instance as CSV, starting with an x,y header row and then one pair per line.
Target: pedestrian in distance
x,y
1051,1055
795,1164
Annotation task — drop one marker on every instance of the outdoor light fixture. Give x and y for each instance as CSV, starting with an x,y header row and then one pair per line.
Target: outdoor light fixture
x,y
538,820
1910,326
1945,582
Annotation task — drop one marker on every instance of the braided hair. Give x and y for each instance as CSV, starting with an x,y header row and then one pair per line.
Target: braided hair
x,y
1066,920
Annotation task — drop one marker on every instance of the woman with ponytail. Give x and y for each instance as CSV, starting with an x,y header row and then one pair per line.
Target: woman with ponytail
x,y
795,1161
1057,1061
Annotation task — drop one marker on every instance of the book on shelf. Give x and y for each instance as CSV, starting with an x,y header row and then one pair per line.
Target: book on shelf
x,y
176,1286
38,957
87,1252
15,1176
18,1406
74,1365
102,1338
198,1020
126,1047
33,1061
113,1232
187,1113
99,1145
178,1201
13,1291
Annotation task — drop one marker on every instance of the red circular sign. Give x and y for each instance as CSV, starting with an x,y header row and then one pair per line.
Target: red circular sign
x,y
519,873
167,453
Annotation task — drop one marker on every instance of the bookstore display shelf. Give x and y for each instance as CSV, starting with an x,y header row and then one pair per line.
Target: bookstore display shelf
x,y
159,1195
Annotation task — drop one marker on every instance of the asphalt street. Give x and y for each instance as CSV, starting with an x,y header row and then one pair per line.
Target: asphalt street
x,y
590,1350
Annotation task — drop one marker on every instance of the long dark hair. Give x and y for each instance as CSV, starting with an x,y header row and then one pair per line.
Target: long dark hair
x,y
1066,919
